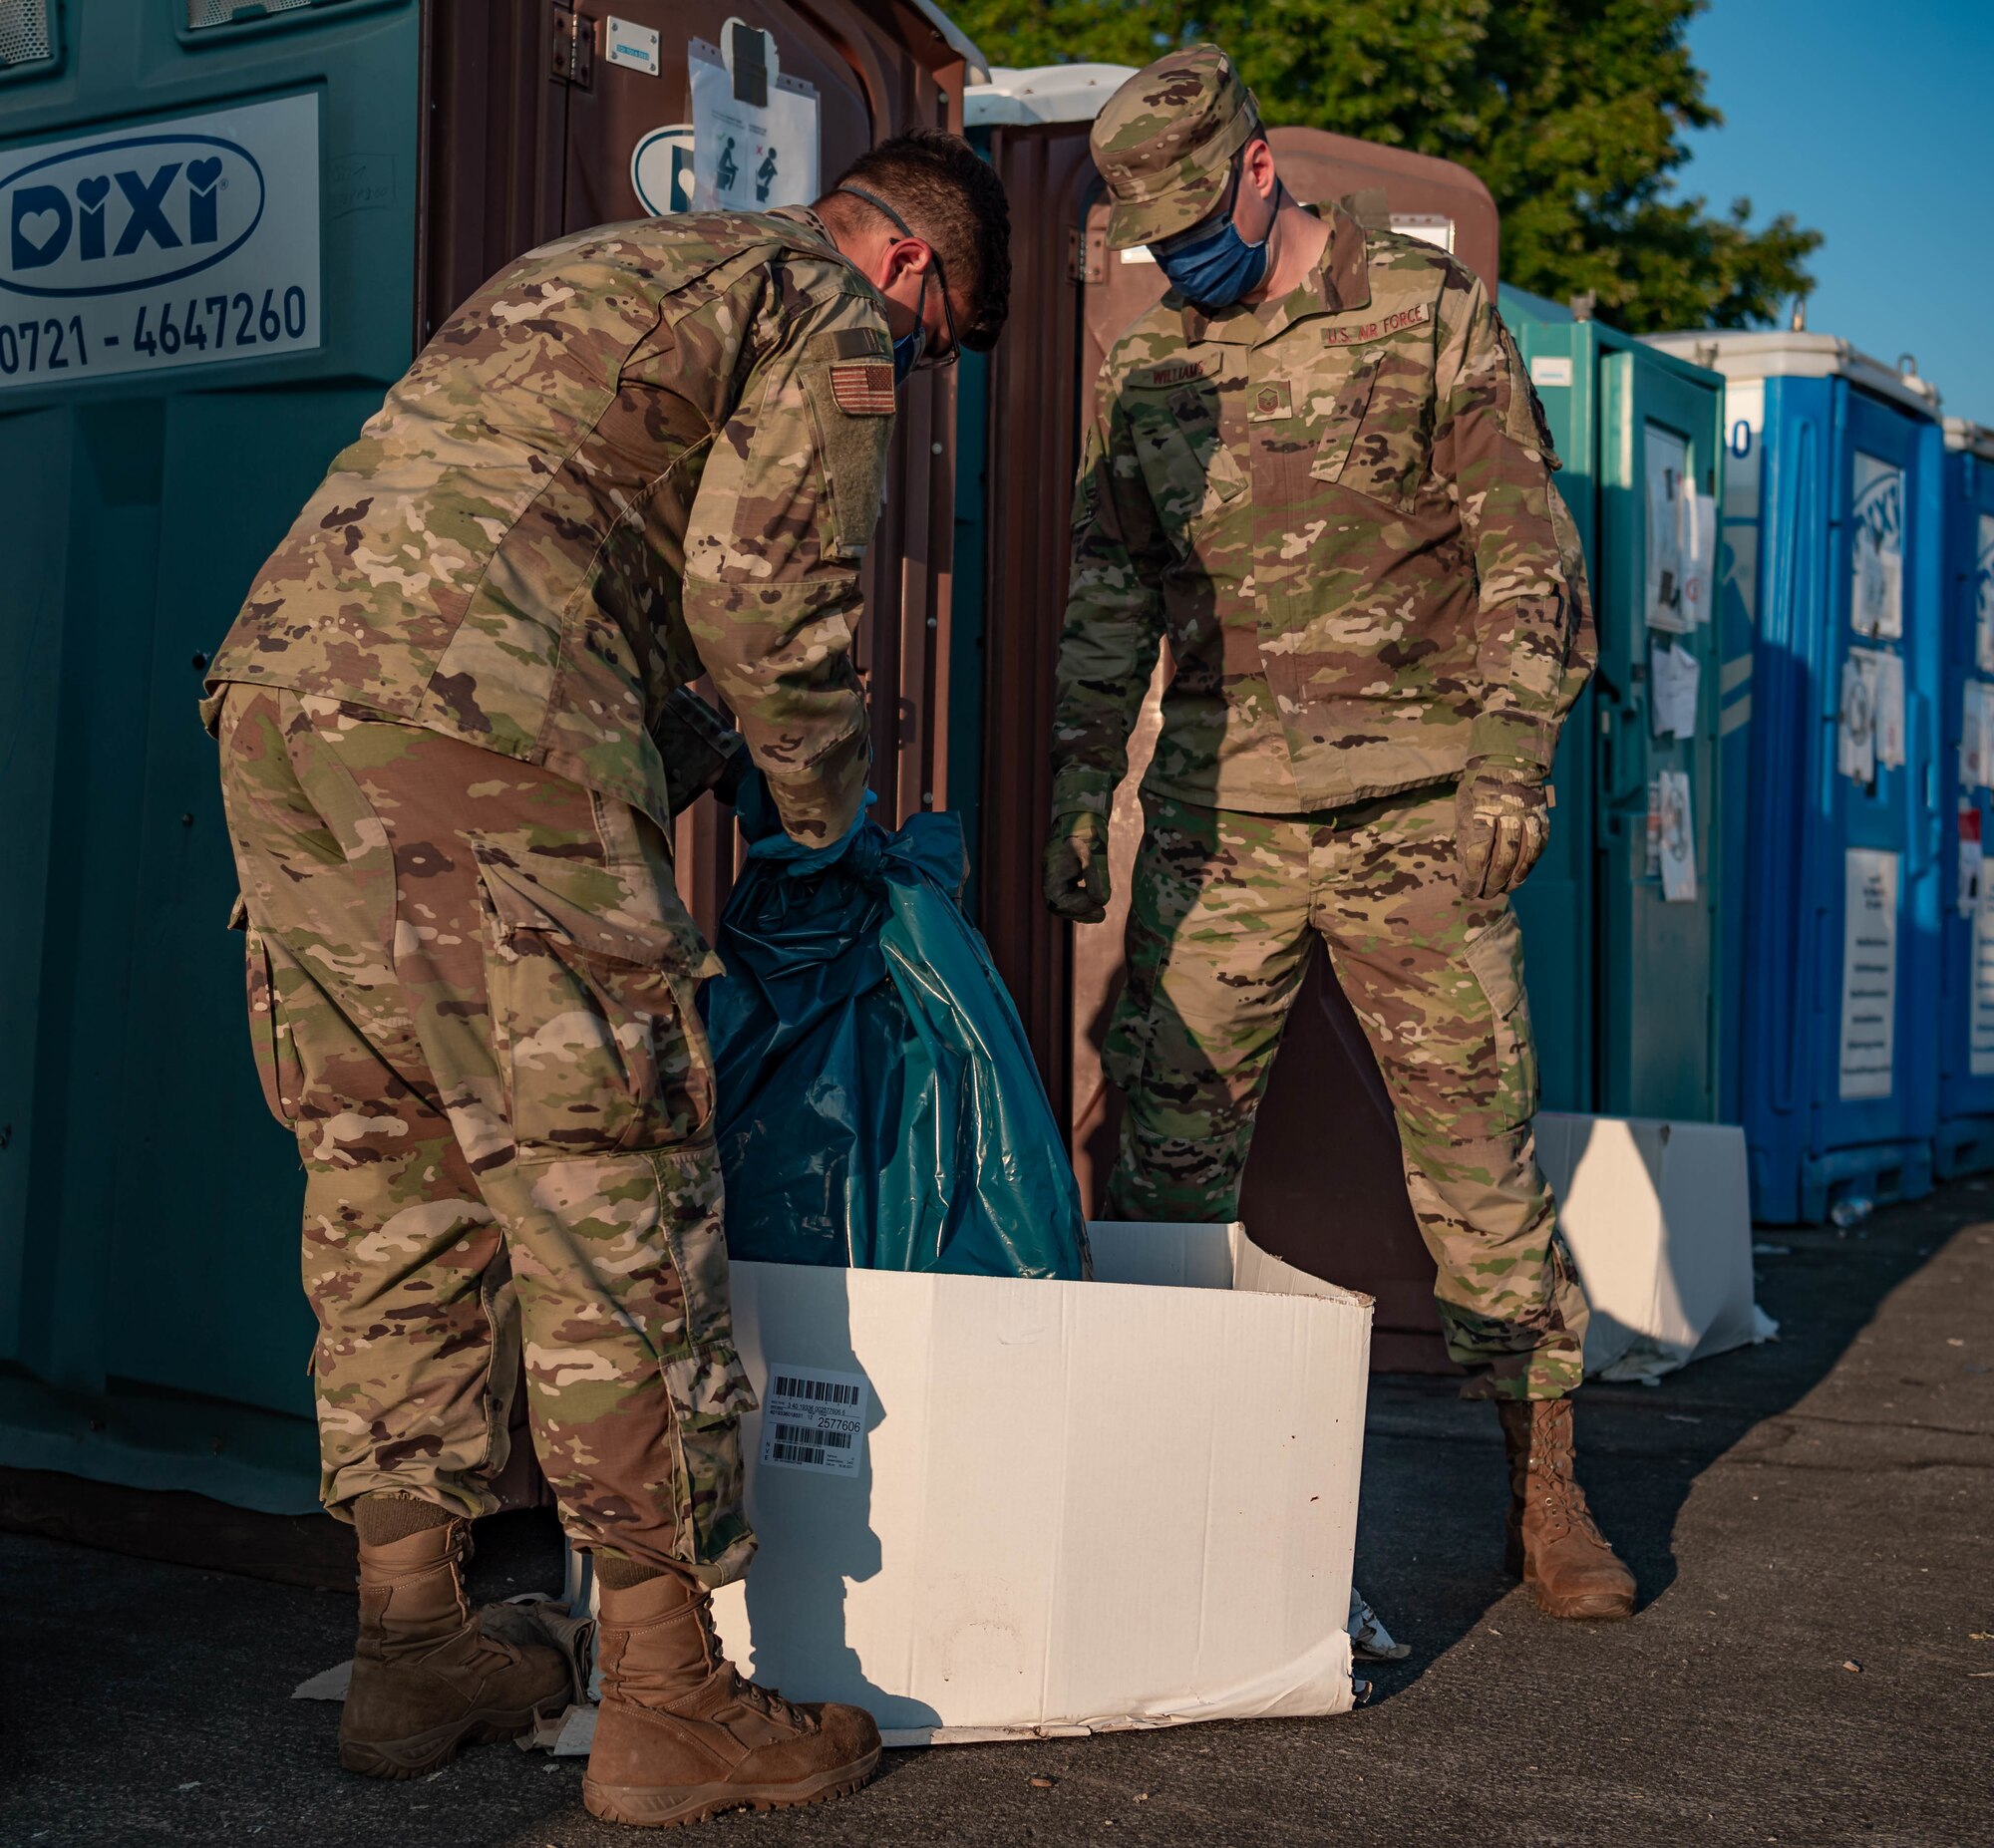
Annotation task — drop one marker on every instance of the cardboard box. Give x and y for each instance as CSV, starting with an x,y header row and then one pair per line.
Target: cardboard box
x,y
1659,1221
993,1509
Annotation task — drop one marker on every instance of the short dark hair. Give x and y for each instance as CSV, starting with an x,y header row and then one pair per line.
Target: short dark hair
x,y
952,200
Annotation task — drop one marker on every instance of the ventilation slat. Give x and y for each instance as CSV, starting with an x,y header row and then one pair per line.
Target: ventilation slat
x,y
223,12
25,36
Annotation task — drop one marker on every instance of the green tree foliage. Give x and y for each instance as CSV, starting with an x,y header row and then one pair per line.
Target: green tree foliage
x,y
1570,111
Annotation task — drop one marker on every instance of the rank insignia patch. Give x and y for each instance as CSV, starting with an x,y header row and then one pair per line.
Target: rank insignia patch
x,y
1269,400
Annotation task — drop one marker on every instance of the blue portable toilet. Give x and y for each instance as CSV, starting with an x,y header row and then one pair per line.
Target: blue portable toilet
x,y
1832,558
1965,1140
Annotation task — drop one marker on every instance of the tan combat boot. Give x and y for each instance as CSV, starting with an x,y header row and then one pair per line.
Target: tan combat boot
x,y
1553,1542
681,1735
426,1679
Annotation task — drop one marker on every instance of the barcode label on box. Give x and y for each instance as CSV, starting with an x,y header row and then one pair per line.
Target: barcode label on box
x,y
811,1420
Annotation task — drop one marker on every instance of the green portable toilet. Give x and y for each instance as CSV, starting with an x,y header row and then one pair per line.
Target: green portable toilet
x,y
203,292
1622,939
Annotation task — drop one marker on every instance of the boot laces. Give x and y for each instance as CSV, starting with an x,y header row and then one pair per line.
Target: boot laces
x,y
769,1703
1557,1490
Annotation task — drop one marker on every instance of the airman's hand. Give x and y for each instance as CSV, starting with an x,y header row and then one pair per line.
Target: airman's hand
x,y
1501,820
1076,868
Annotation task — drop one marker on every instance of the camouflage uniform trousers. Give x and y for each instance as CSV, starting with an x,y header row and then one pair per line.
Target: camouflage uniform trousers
x,y
470,991
1220,912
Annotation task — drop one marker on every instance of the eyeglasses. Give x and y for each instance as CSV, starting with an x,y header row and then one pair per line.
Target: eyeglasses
x,y
925,362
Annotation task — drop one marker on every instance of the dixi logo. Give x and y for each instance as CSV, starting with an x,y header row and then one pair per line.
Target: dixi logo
x,y
124,214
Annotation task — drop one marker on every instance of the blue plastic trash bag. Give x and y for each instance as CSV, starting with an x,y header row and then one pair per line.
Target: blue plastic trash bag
x,y
878,1105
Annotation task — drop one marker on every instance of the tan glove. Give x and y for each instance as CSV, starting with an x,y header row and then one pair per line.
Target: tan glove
x,y
1076,868
1501,820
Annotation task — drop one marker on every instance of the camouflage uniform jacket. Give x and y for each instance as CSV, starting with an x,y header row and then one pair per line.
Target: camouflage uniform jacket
x,y
1339,509
637,452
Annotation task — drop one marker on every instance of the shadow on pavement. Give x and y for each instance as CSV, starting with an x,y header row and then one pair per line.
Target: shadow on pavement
x,y
1429,1527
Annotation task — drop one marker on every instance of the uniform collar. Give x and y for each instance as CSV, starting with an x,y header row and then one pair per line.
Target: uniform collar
x,y
1339,282
809,219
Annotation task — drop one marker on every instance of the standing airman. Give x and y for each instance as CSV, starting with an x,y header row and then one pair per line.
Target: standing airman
x,y
1318,470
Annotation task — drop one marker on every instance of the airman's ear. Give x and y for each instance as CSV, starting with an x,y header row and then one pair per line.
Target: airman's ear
x,y
1260,167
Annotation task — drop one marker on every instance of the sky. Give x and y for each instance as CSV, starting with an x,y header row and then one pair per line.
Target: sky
x,y
1874,124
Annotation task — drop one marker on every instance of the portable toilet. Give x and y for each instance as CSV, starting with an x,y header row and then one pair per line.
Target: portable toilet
x,y
1833,548
1627,926
1965,1140
225,227
207,283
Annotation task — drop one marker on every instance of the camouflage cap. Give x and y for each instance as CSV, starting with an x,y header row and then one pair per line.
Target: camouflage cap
x,y
1164,142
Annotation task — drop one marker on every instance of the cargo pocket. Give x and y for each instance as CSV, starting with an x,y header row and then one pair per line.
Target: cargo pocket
x,y
709,1392
1125,1051
1496,959
269,1033
599,1047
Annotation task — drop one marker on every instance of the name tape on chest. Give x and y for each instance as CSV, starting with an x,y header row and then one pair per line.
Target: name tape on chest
x,y
1356,333
864,388
1173,372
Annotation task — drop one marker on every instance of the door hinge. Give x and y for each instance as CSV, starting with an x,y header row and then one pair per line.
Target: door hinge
x,y
574,47
1086,254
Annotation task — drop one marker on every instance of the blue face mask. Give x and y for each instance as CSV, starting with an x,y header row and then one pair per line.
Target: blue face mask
x,y
1214,268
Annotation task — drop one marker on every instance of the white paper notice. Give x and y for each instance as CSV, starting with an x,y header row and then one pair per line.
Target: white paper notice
x,y
1678,837
754,130
1673,676
1983,634
1890,710
1700,568
1876,605
1855,735
811,1420
1971,861
1972,752
1869,972
1980,1021
1665,460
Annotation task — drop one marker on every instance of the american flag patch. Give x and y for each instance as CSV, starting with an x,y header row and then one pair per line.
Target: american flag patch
x,y
864,388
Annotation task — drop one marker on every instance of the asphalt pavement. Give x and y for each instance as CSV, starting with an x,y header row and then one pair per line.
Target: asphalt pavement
x,y
1812,1663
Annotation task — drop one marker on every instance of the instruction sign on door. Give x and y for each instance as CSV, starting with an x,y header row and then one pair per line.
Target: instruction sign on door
x,y
1983,634
1980,1026
754,129
1869,972
1877,603
1665,457
169,244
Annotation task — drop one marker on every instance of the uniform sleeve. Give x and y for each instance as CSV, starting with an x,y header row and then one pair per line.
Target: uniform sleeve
x,y
785,509
1493,448
1113,619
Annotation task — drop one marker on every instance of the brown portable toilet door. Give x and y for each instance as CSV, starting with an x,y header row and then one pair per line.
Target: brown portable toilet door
x,y
828,82
1325,1186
